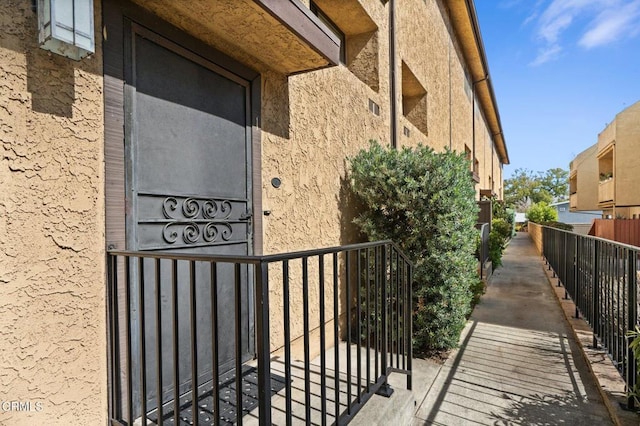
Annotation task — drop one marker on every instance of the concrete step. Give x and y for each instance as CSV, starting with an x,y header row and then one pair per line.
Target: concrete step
x,y
395,410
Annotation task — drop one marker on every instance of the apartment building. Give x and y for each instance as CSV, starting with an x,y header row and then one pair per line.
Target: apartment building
x,y
165,112
605,176
618,165
583,180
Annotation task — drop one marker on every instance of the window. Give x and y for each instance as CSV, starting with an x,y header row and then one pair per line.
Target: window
x,y
334,29
414,100
358,36
473,164
374,107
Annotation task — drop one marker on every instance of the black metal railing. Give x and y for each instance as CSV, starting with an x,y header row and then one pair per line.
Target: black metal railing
x,y
482,253
601,277
203,339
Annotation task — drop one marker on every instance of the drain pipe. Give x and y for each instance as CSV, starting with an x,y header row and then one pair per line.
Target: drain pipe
x,y
392,75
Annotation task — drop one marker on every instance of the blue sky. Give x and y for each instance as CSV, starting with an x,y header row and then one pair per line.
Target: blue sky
x,y
561,70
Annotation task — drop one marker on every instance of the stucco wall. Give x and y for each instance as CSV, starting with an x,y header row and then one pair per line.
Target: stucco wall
x,y
52,308
312,122
535,232
586,167
329,120
627,157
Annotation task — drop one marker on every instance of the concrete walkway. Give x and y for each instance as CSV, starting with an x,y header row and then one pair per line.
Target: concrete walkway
x,y
518,362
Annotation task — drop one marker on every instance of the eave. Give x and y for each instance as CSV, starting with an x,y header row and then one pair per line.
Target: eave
x,y
465,24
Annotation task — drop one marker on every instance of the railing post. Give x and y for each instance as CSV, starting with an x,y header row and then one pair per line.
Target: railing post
x,y
263,343
576,269
565,261
115,390
409,323
632,321
385,389
595,270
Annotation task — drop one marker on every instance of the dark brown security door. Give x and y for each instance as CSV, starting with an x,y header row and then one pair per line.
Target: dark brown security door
x,y
188,141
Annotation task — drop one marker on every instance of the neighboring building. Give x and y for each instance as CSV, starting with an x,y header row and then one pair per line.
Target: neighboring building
x,y
251,104
605,176
619,165
583,180
581,221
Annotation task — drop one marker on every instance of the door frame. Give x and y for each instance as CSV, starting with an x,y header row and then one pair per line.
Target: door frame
x,y
115,16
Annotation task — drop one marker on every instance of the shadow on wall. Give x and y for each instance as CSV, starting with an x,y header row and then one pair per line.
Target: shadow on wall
x,y
50,77
350,207
276,111
51,82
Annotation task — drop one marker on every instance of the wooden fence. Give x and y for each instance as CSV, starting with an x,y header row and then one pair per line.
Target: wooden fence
x,y
626,231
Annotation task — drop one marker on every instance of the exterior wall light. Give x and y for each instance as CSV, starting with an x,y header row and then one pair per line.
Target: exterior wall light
x,y
65,27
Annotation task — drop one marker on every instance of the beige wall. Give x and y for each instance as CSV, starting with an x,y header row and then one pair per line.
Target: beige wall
x,y
585,165
627,157
535,232
425,45
52,308
329,120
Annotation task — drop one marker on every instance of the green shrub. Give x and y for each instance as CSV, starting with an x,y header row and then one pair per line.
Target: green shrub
x,y
501,232
424,201
502,228
501,211
634,345
559,225
496,247
542,212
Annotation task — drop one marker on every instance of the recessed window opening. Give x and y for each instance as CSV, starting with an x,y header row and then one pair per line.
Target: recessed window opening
x,y
334,29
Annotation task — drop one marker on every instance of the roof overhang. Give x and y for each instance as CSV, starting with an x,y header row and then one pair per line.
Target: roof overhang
x,y
465,24
282,34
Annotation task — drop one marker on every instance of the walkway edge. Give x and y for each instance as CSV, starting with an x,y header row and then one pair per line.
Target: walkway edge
x,y
610,384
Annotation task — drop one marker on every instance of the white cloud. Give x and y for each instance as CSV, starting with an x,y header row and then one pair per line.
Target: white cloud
x,y
546,54
611,25
602,22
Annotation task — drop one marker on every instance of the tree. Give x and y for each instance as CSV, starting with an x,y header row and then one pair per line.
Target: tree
x,y
556,182
541,212
526,187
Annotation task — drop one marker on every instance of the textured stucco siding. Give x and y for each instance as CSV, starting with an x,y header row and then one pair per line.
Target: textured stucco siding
x,y
329,120
52,308
312,122
535,232
427,44
585,166
627,158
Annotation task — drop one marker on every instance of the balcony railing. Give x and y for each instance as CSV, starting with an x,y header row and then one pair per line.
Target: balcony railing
x,y
167,343
606,191
601,277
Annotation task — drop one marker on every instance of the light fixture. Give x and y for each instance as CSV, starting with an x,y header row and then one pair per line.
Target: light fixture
x,y
65,27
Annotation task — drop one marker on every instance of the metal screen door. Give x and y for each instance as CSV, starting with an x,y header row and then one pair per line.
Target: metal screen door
x,y
188,142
